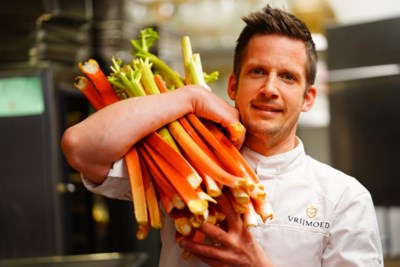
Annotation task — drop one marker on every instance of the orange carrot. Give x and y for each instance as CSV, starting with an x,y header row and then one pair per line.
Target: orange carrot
x,y
197,155
166,202
185,123
160,179
258,192
87,88
212,187
175,159
236,131
199,141
225,157
137,187
263,209
231,148
160,83
186,143
195,204
250,216
93,71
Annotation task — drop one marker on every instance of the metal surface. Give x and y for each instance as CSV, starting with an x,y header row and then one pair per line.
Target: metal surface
x,y
365,131
364,99
98,260
365,44
30,220
33,217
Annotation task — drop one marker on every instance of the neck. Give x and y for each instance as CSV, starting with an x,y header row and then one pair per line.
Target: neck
x,y
269,147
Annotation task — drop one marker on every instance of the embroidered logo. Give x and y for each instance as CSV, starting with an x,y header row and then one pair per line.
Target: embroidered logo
x,y
311,212
311,220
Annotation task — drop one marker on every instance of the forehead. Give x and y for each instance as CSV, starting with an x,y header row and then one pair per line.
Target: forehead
x,y
275,49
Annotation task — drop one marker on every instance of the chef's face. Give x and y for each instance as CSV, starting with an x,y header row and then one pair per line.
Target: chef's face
x,y
270,92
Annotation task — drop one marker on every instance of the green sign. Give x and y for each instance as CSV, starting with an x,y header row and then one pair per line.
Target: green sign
x,y
21,96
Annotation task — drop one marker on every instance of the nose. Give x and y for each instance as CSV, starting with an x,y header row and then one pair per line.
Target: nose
x,y
269,87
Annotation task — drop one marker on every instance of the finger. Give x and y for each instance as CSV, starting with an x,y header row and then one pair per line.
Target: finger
x,y
219,236
232,217
213,256
206,250
210,106
210,261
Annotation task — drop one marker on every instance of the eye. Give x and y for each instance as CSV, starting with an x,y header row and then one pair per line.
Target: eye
x,y
288,76
257,72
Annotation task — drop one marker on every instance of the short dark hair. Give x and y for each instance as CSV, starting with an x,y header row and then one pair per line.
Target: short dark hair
x,y
275,21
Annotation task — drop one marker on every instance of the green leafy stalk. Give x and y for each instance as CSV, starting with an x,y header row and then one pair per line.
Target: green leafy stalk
x,y
187,55
147,78
212,77
193,68
141,47
136,79
126,78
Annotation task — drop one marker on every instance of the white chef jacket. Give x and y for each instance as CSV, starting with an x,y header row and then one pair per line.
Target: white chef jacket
x,y
322,217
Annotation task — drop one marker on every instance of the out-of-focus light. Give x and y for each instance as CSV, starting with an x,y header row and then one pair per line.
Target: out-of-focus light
x,y
320,41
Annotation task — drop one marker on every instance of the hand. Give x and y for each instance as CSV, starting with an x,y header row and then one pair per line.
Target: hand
x,y
207,105
236,246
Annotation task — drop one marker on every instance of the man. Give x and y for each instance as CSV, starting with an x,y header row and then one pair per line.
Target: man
x,y
322,217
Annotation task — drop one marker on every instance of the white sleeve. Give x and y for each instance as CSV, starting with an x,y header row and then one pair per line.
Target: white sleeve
x,y
116,184
355,239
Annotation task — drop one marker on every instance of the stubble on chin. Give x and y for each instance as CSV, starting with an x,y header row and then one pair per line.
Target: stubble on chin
x,y
268,136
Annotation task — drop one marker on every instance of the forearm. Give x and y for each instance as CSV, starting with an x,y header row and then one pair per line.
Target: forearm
x,y
92,145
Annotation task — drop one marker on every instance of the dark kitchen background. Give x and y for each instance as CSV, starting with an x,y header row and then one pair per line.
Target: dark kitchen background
x,y
48,218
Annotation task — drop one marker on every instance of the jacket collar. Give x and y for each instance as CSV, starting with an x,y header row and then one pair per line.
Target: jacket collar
x,y
277,164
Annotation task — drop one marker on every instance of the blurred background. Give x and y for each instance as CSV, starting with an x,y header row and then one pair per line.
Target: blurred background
x,y
47,217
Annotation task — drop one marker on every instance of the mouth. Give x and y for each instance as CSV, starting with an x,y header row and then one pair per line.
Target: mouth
x,y
268,108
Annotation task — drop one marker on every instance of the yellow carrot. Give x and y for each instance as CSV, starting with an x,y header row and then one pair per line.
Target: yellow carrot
x,y
143,231
181,221
151,198
241,195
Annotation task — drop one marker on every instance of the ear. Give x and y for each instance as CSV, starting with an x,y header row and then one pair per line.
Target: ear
x,y
232,87
309,98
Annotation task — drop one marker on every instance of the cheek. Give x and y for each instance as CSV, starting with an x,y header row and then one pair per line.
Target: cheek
x,y
241,100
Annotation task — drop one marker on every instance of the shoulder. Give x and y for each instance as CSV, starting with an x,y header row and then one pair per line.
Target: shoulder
x,y
334,184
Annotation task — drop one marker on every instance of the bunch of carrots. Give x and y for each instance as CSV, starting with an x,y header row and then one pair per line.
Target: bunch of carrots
x,y
185,165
